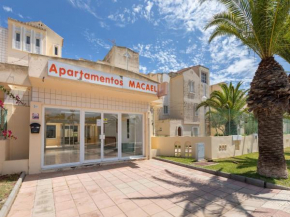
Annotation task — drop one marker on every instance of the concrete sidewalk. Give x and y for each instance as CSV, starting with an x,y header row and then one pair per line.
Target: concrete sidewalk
x,y
144,188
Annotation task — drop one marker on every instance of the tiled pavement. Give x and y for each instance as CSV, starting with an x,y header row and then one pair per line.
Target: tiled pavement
x,y
144,188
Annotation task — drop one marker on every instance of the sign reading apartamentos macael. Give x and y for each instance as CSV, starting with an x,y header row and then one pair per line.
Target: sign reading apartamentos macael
x,y
62,70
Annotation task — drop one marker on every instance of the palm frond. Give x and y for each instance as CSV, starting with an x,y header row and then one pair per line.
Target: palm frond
x,y
262,25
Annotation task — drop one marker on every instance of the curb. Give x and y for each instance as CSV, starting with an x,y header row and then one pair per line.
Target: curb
x,y
252,181
7,205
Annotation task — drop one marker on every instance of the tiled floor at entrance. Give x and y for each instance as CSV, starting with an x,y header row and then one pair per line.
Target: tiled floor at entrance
x,y
144,188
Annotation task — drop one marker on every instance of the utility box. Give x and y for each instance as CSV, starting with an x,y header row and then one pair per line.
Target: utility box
x,y
199,152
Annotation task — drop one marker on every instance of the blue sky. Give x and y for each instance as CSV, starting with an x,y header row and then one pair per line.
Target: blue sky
x,y
168,34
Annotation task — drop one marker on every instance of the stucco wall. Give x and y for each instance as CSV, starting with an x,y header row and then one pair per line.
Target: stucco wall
x,y
18,123
3,152
15,166
35,141
14,74
215,147
165,145
176,99
20,57
224,146
116,58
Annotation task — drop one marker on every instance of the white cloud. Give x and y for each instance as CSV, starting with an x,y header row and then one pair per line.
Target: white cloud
x,y
84,5
104,25
163,55
95,41
148,8
137,8
7,9
190,49
225,57
142,69
20,15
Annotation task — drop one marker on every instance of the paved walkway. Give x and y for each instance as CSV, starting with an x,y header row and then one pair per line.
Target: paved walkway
x,y
144,188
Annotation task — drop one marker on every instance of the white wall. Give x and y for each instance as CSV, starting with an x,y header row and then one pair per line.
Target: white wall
x,y
3,44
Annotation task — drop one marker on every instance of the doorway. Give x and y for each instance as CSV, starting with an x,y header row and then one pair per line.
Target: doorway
x,y
179,131
74,137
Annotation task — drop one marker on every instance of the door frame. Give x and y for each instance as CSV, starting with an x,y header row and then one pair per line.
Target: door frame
x,y
82,136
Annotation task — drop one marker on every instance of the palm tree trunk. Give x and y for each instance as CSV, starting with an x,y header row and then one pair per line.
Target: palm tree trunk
x,y
271,162
269,99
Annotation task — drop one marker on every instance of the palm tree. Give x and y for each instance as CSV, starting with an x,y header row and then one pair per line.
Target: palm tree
x,y
226,107
263,26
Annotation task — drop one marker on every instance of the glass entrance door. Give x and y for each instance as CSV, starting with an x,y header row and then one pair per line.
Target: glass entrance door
x,y
110,132
92,136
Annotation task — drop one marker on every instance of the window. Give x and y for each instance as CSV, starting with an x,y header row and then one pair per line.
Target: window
x,y
177,149
51,131
37,45
56,51
203,78
191,86
28,45
17,36
27,39
17,43
188,150
63,125
37,42
165,109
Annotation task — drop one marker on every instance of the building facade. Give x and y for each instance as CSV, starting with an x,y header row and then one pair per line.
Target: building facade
x,y
178,115
23,38
87,112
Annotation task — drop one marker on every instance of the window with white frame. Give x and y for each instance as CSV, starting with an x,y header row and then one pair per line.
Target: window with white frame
x,y
191,86
203,77
37,45
28,43
17,40
165,109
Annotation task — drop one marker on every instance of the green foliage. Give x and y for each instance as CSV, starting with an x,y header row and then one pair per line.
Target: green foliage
x,y
261,25
183,160
226,108
250,124
244,165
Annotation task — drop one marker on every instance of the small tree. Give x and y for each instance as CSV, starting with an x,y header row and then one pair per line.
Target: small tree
x,y
226,107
